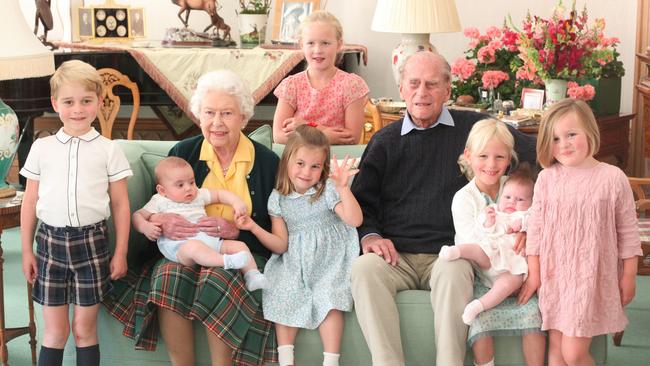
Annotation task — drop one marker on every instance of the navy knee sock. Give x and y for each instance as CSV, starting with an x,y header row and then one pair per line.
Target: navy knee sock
x,y
50,356
88,356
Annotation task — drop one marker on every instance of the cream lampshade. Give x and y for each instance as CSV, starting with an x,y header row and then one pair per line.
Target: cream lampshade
x,y
23,56
415,19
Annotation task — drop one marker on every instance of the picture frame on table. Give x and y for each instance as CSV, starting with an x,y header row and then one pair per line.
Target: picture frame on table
x,y
109,23
288,16
137,23
532,98
84,29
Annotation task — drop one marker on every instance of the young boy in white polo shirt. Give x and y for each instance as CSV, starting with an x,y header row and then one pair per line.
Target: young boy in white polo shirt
x,y
74,180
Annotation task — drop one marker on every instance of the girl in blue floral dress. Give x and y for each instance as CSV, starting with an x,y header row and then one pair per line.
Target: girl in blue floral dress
x,y
314,241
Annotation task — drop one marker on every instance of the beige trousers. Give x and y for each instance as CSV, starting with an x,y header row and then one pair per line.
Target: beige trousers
x,y
375,283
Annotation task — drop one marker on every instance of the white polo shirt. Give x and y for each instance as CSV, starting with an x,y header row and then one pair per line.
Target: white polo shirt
x,y
73,175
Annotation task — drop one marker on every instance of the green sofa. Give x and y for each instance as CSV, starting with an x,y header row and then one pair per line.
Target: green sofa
x,y
416,316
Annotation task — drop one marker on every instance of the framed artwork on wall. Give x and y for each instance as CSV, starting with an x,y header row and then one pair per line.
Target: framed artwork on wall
x,y
85,23
111,23
137,24
288,15
532,98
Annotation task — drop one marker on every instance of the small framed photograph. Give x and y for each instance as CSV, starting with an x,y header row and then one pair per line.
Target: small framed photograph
x,y
85,23
138,27
288,16
532,98
111,23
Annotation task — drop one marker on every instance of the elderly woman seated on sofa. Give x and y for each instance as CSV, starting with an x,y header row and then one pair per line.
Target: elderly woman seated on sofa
x,y
222,158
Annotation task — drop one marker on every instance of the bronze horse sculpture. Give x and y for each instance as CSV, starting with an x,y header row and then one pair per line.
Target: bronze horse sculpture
x,y
209,6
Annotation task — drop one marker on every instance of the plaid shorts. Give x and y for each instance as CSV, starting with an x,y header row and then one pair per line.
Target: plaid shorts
x,y
73,265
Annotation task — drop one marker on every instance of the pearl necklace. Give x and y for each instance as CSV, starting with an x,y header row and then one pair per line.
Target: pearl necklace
x,y
224,171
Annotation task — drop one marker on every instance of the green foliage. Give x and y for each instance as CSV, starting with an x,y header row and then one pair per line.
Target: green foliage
x,y
255,6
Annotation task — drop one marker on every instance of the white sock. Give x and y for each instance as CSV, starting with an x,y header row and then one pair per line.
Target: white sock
x,y
489,363
331,359
235,261
471,311
285,355
449,253
254,280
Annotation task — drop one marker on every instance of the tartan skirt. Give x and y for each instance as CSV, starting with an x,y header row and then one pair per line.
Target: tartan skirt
x,y
216,297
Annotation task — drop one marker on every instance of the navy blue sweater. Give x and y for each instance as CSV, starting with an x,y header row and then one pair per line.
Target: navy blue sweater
x,y
406,183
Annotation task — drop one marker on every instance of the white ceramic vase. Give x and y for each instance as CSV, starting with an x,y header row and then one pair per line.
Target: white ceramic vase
x,y
8,141
555,90
252,29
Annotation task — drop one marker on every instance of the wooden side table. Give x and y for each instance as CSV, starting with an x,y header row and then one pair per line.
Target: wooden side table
x,y
10,217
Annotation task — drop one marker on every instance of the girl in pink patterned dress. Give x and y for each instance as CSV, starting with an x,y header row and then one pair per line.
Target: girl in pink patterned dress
x,y
323,96
582,236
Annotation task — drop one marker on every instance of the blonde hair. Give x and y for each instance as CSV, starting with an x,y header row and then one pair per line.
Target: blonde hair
x,y
550,118
482,132
323,17
170,162
311,138
76,72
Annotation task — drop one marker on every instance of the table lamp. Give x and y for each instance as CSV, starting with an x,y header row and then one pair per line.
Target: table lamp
x,y
415,19
23,56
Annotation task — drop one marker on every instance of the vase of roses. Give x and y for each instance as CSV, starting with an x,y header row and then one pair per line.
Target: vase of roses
x,y
564,49
491,64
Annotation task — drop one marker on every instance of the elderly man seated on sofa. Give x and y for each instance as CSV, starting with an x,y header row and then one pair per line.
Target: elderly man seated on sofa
x,y
407,178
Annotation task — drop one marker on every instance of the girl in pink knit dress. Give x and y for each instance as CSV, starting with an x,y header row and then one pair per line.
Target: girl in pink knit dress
x,y
582,236
323,96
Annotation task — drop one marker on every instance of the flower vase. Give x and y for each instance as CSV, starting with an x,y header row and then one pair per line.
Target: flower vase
x,y
8,146
607,100
252,29
555,90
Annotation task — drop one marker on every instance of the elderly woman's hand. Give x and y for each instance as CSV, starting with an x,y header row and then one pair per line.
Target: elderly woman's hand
x,y
174,226
217,226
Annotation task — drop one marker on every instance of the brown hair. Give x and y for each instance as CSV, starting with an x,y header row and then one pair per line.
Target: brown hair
x,y
170,162
76,72
557,111
524,174
311,138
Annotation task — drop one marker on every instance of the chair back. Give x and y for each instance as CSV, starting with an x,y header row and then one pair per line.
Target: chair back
x,y
110,103
641,201
369,128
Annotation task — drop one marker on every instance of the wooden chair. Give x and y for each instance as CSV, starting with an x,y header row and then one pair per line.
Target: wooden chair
x,y
110,103
373,122
642,203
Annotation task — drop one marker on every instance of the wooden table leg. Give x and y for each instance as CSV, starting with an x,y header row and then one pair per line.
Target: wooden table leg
x,y
3,335
10,217
32,323
617,338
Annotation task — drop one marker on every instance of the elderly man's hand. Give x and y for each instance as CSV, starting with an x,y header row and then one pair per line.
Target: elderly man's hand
x,y
382,247
174,226
217,226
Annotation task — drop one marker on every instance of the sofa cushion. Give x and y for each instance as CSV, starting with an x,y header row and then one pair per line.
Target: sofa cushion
x,y
263,135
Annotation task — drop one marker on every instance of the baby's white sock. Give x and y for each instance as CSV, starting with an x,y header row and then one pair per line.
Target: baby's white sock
x,y
331,359
489,363
285,355
235,261
471,311
254,280
449,253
